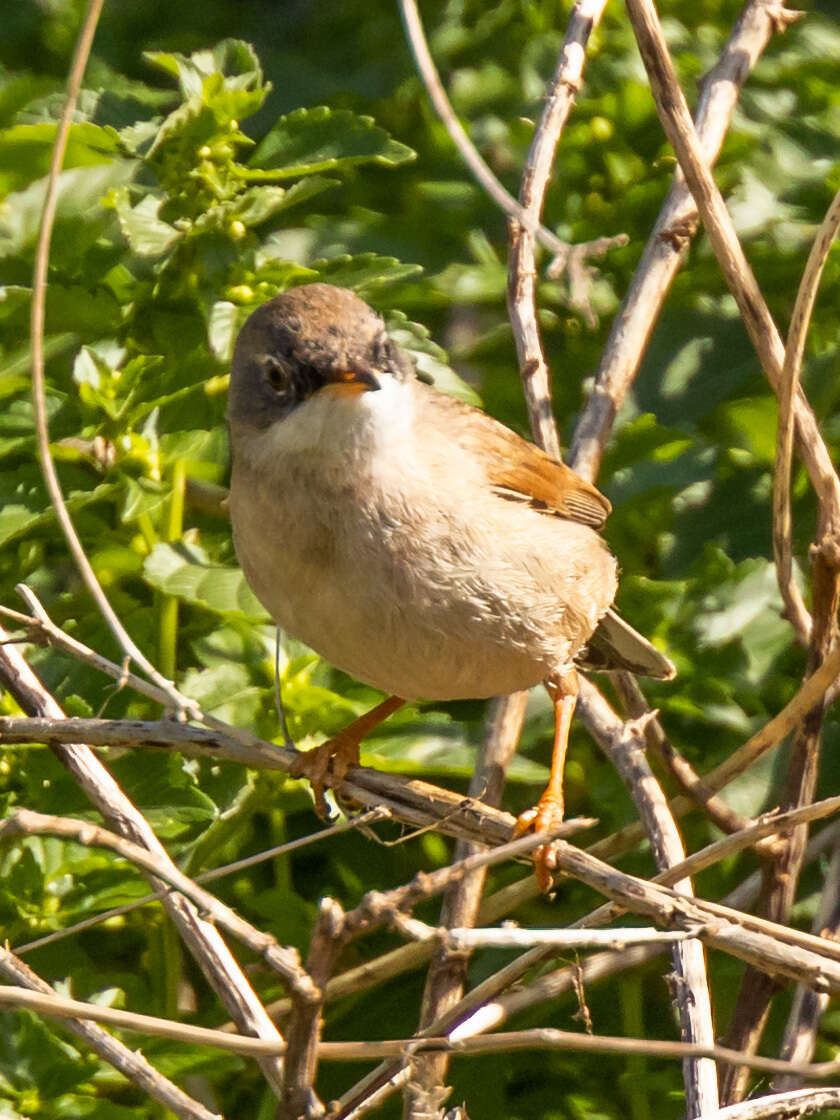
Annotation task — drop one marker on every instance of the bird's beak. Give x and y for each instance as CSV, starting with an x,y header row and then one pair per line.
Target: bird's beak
x,y
351,382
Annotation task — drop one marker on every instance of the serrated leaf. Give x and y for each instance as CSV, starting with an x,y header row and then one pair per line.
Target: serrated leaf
x,y
322,139
146,233
26,150
24,504
234,59
184,571
80,192
429,358
363,271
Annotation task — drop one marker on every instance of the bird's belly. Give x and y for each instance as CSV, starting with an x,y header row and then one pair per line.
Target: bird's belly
x,y
369,611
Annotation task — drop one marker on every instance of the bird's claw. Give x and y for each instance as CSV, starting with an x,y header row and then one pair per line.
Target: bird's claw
x,y
326,764
545,816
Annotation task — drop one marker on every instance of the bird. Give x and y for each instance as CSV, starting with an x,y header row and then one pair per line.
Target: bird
x,y
409,538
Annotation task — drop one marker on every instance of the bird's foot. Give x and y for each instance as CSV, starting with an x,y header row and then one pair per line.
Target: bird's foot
x,y
545,816
331,760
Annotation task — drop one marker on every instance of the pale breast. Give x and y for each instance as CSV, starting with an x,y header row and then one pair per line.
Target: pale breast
x,y
419,590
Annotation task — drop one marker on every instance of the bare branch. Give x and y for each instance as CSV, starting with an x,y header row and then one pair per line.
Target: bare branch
x,y
129,1063
522,306
466,149
676,120
668,242
446,979
624,745
37,316
201,937
796,610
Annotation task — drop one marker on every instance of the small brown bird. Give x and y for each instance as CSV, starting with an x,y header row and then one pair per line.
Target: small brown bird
x,y
408,538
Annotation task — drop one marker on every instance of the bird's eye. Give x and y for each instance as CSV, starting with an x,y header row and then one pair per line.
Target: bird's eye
x,y
277,373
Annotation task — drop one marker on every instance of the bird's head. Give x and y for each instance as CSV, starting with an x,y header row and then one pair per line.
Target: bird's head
x,y
316,339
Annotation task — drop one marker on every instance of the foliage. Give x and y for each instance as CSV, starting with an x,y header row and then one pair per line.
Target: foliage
x,y
193,191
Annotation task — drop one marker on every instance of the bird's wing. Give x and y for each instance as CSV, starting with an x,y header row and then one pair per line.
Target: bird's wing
x,y
519,471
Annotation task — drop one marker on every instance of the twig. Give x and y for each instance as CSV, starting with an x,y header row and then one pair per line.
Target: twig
x,y
522,308
201,937
800,1036
446,979
361,821
540,1039
623,743
304,1027
796,610
513,937
131,1064
676,120
668,242
466,149
37,315
284,961
782,1106
763,943
677,764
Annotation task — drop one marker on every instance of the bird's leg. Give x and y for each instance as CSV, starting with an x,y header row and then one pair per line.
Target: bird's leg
x,y
338,755
548,811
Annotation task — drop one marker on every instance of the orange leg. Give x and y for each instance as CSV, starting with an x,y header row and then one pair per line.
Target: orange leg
x,y
548,811
329,763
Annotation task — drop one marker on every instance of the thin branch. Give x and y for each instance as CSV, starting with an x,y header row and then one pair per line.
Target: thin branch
x,y
466,149
624,745
522,307
201,937
131,1064
37,316
782,1106
800,1038
668,242
677,764
538,1039
676,120
795,607
446,979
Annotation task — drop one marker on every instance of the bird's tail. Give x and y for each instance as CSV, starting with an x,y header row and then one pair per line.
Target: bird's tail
x,y
616,645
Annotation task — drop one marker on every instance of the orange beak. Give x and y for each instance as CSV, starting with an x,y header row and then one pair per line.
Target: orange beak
x,y
350,383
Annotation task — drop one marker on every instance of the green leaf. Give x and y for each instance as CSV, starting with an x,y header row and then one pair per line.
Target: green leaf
x,y
24,504
146,233
322,139
364,271
429,358
234,59
80,192
26,150
184,571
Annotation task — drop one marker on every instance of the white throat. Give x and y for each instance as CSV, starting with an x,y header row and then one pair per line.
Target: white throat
x,y
343,429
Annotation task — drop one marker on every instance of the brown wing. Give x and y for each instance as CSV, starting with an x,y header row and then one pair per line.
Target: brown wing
x,y
520,471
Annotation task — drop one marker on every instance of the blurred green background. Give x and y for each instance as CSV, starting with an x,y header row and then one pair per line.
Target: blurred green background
x,y
197,185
